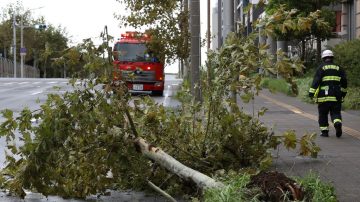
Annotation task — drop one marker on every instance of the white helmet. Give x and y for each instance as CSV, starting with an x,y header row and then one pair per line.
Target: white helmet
x,y
327,53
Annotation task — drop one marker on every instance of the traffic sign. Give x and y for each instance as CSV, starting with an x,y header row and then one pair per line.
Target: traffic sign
x,y
23,51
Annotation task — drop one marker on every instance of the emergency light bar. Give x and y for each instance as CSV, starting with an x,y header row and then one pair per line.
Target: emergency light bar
x,y
133,35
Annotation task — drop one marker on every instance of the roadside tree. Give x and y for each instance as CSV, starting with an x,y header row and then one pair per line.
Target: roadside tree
x,y
304,9
42,45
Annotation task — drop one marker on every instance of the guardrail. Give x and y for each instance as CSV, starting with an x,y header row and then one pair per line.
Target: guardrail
x,y
7,69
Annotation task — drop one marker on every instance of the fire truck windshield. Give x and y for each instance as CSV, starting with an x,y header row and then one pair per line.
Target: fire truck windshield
x,y
132,52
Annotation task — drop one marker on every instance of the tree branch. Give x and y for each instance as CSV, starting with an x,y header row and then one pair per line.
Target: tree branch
x,y
162,192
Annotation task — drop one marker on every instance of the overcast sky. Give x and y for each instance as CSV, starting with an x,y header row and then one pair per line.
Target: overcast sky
x,y
84,18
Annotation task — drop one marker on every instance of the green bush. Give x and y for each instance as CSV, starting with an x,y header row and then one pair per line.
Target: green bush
x,y
347,55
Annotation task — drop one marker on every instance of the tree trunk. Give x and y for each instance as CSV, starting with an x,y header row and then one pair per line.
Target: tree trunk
x,y
174,166
184,26
303,51
187,70
318,50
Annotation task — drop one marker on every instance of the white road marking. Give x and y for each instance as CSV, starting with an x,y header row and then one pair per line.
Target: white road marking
x,y
166,95
36,93
24,82
52,82
33,120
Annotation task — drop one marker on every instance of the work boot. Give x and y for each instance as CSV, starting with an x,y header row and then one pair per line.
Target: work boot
x,y
338,129
324,133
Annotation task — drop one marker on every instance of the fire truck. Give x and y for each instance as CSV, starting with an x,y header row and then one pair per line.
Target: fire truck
x,y
138,66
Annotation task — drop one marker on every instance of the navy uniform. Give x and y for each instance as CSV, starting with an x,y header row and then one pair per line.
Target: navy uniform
x,y
329,89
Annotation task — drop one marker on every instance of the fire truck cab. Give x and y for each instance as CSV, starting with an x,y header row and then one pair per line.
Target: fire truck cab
x,y
136,65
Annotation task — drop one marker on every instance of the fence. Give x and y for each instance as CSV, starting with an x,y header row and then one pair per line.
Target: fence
x,y
7,69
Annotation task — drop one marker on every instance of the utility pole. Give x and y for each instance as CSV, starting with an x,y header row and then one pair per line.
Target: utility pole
x,y
209,73
22,53
219,34
195,48
22,48
208,25
14,42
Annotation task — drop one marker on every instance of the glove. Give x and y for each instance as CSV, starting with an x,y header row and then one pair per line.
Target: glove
x,y
311,95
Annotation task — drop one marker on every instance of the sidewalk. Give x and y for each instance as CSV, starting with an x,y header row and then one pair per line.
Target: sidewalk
x,y
338,161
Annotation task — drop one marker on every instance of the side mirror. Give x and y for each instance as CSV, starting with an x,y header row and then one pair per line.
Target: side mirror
x,y
115,55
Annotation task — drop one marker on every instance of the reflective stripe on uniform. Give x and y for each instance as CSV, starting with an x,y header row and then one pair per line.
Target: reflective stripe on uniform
x,y
330,67
324,128
324,88
312,90
331,78
317,92
326,99
337,120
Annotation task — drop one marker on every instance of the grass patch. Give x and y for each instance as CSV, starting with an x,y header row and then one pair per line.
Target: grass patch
x,y
236,190
317,191
277,85
303,89
351,101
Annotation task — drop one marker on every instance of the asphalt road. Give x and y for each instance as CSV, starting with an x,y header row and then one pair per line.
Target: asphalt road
x,y
15,94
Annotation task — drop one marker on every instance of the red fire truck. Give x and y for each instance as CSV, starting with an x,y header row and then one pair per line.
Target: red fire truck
x,y
136,65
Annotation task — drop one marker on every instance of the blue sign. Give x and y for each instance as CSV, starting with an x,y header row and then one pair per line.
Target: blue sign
x,y
22,50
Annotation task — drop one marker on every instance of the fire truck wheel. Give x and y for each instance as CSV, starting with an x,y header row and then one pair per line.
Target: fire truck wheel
x,y
158,93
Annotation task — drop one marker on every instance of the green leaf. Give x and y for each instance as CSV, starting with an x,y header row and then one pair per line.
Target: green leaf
x,y
262,111
308,146
7,113
247,97
266,162
289,139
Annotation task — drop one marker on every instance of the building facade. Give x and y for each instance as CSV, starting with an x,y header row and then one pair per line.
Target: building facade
x,y
231,16
215,29
222,21
350,19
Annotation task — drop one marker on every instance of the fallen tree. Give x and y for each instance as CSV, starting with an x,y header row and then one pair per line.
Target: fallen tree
x,y
70,151
172,165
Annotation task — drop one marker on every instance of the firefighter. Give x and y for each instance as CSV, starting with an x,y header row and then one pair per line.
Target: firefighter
x,y
329,89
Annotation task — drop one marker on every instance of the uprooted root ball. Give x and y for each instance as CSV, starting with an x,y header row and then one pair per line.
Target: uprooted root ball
x,y
276,186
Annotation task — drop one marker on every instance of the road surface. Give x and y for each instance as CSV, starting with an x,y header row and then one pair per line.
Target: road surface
x,y
338,161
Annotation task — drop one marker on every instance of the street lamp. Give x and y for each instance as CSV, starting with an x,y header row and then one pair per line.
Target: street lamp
x,y
14,43
22,48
